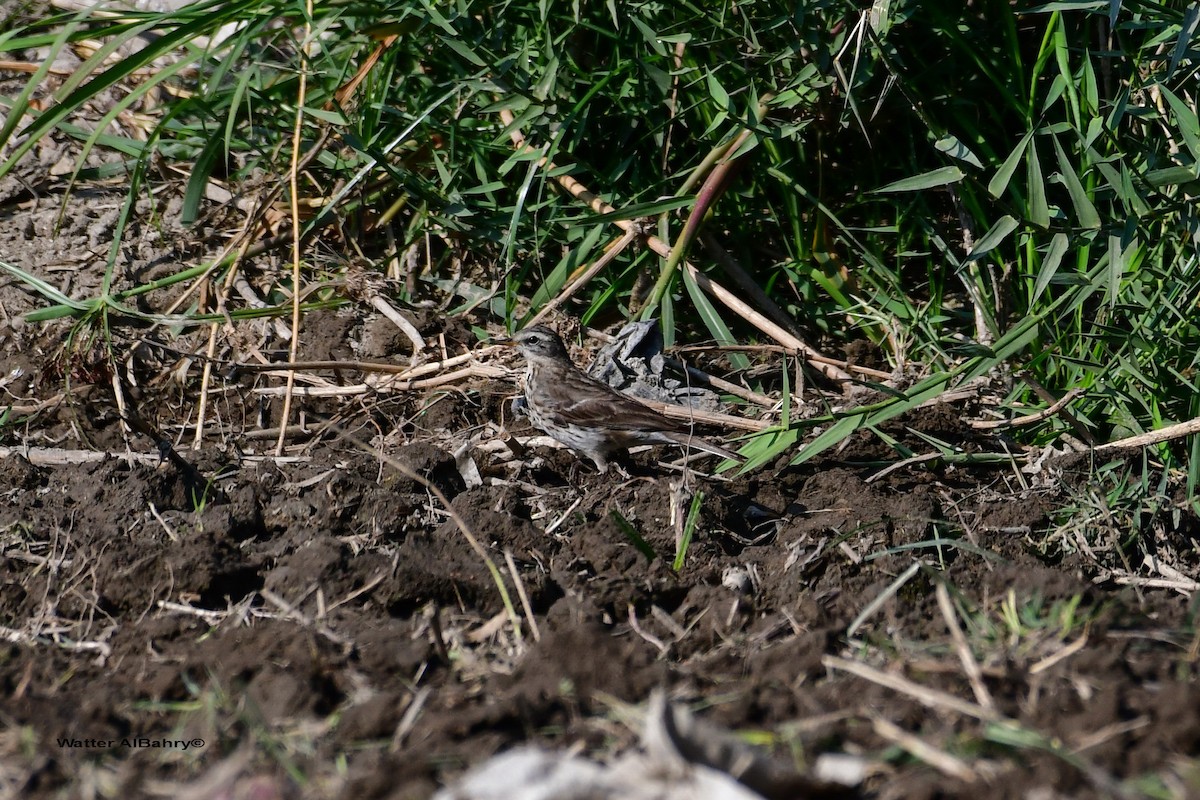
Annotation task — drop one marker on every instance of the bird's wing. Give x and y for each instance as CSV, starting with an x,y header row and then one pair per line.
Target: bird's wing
x,y
599,405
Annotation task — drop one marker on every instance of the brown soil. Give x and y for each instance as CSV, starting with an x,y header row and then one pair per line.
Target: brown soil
x,y
293,621
319,627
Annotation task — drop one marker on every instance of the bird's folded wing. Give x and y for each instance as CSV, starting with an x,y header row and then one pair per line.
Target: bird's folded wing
x,y
601,406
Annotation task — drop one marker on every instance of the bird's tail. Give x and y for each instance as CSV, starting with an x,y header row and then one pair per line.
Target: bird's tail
x,y
696,443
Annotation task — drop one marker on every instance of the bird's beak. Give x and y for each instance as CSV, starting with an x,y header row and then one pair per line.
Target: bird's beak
x,y
504,341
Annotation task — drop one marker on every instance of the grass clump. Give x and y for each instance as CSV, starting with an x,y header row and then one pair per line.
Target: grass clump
x,y
975,190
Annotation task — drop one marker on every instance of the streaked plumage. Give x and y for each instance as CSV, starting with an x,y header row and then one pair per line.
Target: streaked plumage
x,y
588,416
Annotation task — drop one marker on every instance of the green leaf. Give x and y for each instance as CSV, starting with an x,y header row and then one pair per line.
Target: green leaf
x,y
995,235
45,289
712,319
543,88
631,533
636,210
749,144
1018,338
106,79
198,180
1193,475
1000,181
436,17
1058,85
953,147
1054,254
1171,176
557,279
1187,28
1039,211
689,529
717,92
649,35
17,109
1084,210
1116,269
461,48
332,117
926,180
1185,121
1077,5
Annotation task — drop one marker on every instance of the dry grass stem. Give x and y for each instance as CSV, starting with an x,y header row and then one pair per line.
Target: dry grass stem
x,y
790,351
294,198
400,370
746,283
1112,731
290,611
1047,397
610,253
931,698
700,417
1154,437
57,456
919,748
523,595
1029,419
1184,585
965,656
907,462
581,193
758,320
381,305
1063,653
723,385
659,644
888,593
411,714
388,385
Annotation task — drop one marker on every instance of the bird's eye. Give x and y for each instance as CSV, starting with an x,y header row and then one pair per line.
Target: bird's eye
x,y
533,339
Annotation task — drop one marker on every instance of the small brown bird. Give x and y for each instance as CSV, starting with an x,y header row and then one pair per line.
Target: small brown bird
x,y
586,415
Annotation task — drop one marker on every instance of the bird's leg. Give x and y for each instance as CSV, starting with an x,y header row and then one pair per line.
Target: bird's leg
x,y
573,476
625,465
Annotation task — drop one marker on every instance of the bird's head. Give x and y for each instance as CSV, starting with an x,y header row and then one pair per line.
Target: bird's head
x,y
539,343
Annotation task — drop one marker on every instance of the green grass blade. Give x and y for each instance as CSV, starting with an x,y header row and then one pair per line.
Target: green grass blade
x,y
631,533
712,319
46,290
1038,211
1084,210
20,104
994,237
1054,254
1185,121
689,529
1000,180
926,180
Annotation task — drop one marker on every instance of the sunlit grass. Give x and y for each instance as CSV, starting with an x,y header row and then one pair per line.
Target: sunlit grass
x,y
977,200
